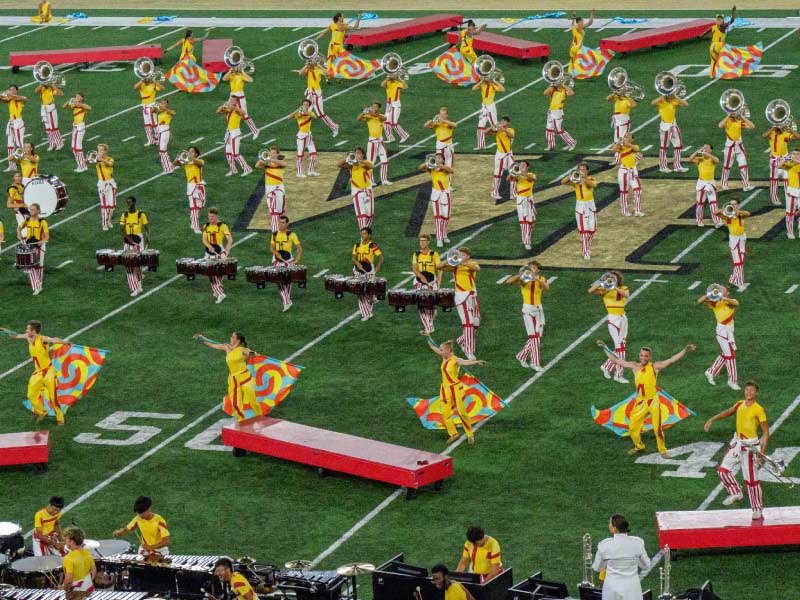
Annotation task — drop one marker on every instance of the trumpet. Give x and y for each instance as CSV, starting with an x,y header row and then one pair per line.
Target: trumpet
x,y
453,257
586,555
18,154
729,210
183,157
608,281
351,159
667,84
779,114
145,70
714,292
526,275
732,102
72,102
619,83
92,157
664,573
235,60
555,74
515,170
575,177
437,119
430,162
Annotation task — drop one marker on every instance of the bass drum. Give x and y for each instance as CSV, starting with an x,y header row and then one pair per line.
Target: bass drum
x,y
48,192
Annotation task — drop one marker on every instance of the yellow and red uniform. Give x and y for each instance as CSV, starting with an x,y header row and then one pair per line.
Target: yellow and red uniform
x,y
46,522
455,591
43,380
667,108
735,225
426,264
236,81
105,172
241,387
440,179
748,419
314,76
361,177
187,49
557,98
78,115
133,222
152,531
79,563
194,173
615,301
532,291
336,45
464,279
365,253
241,587
444,133
627,157
482,559
393,89
465,46
215,233
29,168
504,140
452,394
779,142
488,91
706,169
147,92
374,126
723,312
583,192
647,403
234,119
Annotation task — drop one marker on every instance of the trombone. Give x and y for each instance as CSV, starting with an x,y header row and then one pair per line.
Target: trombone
x,y
774,466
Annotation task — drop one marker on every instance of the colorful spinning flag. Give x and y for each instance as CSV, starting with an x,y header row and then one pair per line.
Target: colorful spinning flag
x,y
274,381
452,67
190,77
480,402
590,62
617,418
350,66
77,368
737,61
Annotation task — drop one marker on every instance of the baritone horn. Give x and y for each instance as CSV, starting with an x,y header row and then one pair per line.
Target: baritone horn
x,y
183,157
554,73
732,102
620,83
453,257
44,74
667,84
235,60
430,162
145,70
779,114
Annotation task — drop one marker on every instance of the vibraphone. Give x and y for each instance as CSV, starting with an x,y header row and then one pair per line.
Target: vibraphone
x,y
339,284
46,594
261,275
444,298
311,585
180,575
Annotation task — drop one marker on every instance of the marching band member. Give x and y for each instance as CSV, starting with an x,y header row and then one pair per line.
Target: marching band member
x,y
304,117
314,73
34,232
376,151
669,132
49,114
621,557
79,567
338,29
43,379
106,185
393,86
465,45
481,555
443,128
233,135
792,189
195,185
647,402
426,276
147,92
79,109
237,78
164,116
558,93
627,154
47,534
718,31
2,235
367,261
778,153
488,88
360,186
531,285
242,590
578,30
153,533
45,15
274,191
621,119
15,130
135,231
14,198
526,211
585,210
282,245
469,309
737,239
218,241
706,188
441,197
614,300
187,44
503,156
733,125
453,590
749,416
29,163
724,308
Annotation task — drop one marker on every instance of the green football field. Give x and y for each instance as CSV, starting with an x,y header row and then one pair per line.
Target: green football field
x,y
541,473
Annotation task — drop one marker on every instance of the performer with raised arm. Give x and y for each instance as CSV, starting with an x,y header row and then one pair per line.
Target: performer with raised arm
x,y
669,132
304,117
233,138
164,116
360,185
615,295
78,565
531,283
274,192
459,262
734,147
585,209
426,276
792,189
523,181
314,73
718,31
135,230
481,555
48,539
338,30
706,188
716,298
578,31
147,92
558,93
152,528
34,232
15,130
734,218
367,261
441,195
621,118
187,43
622,557
282,244
195,184
14,198
465,46
503,156
394,84
218,242
443,128
376,151
647,402
488,88
79,109
47,94
628,175
236,77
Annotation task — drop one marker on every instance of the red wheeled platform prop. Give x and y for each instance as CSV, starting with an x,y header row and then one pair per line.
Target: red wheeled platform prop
x,y
26,448
340,452
728,528
647,38
84,55
213,53
369,36
504,45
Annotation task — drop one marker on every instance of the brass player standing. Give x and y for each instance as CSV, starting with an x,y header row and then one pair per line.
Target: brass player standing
x,y
195,184
274,192
441,196
47,94
532,284
464,270
164,116
523,181
79,109
237,78
147,92
106,185
15,130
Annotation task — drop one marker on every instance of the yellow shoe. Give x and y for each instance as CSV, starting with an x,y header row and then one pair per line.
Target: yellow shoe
x,y
452,438
635,450
470,439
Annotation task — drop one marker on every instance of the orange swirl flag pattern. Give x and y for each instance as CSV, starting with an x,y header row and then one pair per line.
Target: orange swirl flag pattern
x,y
481,403
190,77
618,417
737,61
274,379
452,67
350,66
590,62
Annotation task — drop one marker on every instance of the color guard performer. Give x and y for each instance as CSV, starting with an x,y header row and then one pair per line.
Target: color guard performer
x,y
241,588
195,184
43,379
523,183
282,244
669,132
744,449
304,117
15,130
585,209
393,86
338,30
376,151
469,310
49,114
427,277
14,198
628,155
724,308
2,235
779,139
443,128
621,118
218,242
79,567
622,558
441,196
737,239
734,146
106,185
706,188
614,300
465,45
164,116
274,192
481,555
45,14
558,93
792,189
453,590
578,30
718,31
47,534
503,156
33,231
147,92
187,43
647,402
314,73
237,78
29,163
79,109
233,136
360,185
135,231
488,88
367,261
531,284
153,533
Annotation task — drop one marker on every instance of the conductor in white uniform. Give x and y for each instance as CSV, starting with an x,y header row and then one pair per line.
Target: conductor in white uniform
x,y
621,556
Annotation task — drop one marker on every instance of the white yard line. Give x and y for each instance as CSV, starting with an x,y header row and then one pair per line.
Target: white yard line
x,y
531,145
200,139
552,279
321,273
337,144
63,264
269,141
694,285
646,148
128,139
791,289
94,137
502,280
158,37
21,34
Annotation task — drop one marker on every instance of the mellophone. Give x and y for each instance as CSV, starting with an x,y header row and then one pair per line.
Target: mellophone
x,y
147,259
291,273
355,284
209,267
444,298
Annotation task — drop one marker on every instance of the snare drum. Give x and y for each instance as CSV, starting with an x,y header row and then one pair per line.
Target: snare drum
x,y
335,283
399,299
377,288
131,260
257,275
426,298
11,540
150,259
298,274
36,571
27,257
277,274
187,266
48,192
355,285
446,299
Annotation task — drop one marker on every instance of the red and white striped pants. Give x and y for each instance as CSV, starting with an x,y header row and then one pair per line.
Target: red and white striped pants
x,y
15,133
737,456
364,205
49,116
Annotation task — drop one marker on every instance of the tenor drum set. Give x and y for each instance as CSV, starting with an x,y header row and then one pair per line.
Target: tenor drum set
x,y
444,298
355,284
208,267
261,275
146,259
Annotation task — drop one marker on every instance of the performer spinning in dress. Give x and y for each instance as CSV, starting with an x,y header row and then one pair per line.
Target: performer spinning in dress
x,y
376,151
274,192
578,30
282,244
503,156
236,77
531,284
441,196
622,558
718,31
218,241
360,185
78,565
734,146
464,270
614,299
135,231
481,555
314,73
233,137
242,590
367,261
106,185
523,181
47,534
187,43
465,47
737,240
393,85
47,94
724,307
164,116
147,93
195,184
338,30
15,130
585,209
304,117
627,154
488,87
34,232
79,109
427,277
742,449
152,528
706,188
